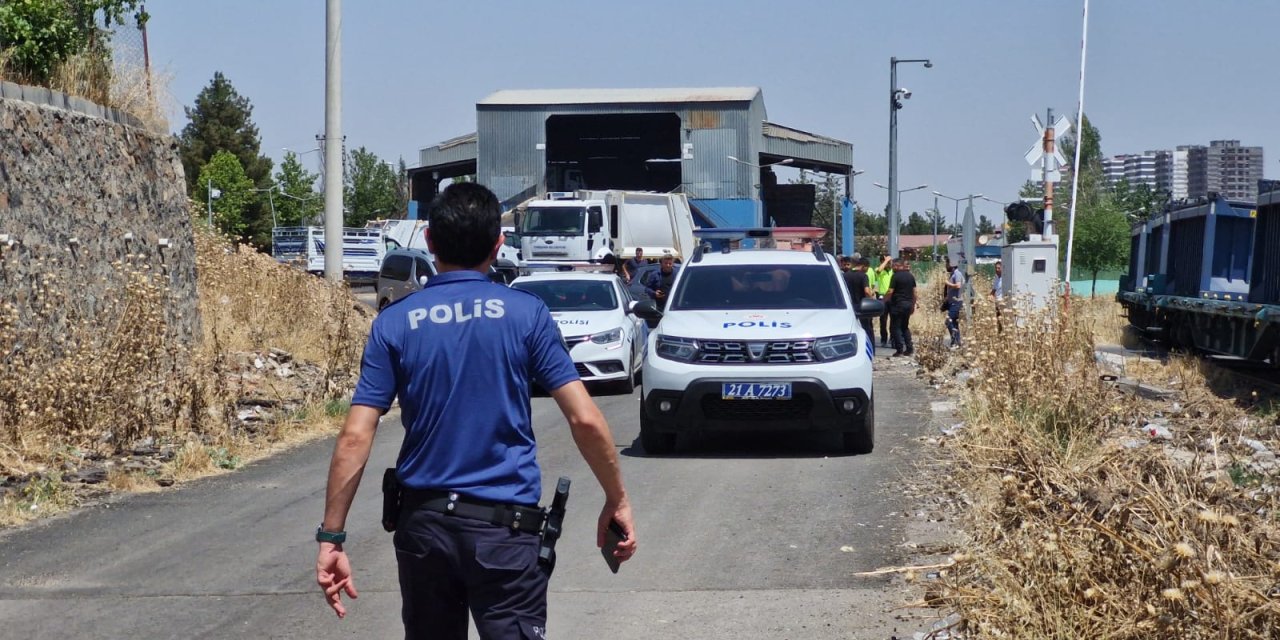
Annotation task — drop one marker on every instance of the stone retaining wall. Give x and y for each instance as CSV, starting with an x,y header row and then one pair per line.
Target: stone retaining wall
x,y
83,190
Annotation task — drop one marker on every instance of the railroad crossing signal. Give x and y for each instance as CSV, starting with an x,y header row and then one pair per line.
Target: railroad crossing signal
x,y
1045,150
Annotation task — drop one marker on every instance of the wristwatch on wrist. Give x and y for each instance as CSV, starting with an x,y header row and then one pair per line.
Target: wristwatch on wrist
x,y
336,537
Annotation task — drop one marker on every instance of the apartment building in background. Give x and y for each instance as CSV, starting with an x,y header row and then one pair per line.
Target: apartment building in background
x,y
1192,171
1152,168
1233,171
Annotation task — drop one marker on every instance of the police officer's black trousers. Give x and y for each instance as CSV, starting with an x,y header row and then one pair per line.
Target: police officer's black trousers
x,y
451,565
900,327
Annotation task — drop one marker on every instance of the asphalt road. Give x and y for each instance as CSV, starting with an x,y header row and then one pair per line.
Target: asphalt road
x,y
739,537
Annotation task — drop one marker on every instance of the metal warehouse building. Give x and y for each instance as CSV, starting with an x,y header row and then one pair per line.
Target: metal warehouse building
x,y
716,145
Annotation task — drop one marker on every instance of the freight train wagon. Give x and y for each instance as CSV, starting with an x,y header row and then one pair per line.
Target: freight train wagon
x,y
1205,276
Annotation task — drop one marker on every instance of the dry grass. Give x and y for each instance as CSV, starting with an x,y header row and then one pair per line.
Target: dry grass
x,y
76,389
128,89
1081,525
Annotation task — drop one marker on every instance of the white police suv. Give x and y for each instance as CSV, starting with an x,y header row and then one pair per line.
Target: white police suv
x,y
757,339
594,313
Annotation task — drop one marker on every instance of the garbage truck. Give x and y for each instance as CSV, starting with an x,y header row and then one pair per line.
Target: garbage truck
x,y
603,227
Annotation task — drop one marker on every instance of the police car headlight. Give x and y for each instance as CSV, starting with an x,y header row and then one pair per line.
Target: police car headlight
x,y
836,347
678,349
607,337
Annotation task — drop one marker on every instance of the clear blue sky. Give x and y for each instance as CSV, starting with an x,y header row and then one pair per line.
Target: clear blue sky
x,y
1161,72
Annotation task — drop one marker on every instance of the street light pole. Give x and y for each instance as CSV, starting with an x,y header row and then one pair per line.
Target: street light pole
x,y
333,133
896,196
892,210
935,217
850,220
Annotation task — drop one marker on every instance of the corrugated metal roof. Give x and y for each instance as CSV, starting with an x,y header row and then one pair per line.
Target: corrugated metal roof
x,y
619,96
774,130
809,150
453,142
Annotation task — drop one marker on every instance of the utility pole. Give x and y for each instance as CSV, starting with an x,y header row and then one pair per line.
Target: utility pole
x,y
333,131
936,215
970,257
1048,179
891,208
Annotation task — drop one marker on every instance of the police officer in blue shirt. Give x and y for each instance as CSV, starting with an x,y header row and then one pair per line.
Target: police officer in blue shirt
x,y
461,356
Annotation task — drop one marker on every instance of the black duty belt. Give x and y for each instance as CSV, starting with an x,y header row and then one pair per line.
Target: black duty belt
x,y
511,516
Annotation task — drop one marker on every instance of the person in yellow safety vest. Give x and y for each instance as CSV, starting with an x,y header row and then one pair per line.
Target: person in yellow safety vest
x,y
880,280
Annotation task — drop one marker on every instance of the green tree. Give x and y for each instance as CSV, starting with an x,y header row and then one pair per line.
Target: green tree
x,y
1139,202
224,176
36,36
370,190
222,120
918,225
296,199
1101,238
985,225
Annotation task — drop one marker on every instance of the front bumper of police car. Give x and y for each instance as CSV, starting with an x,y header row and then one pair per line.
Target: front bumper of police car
x,y
685,380
601,357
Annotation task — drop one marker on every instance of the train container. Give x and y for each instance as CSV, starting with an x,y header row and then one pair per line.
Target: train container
x,y
1206,277
1264,285
1209,250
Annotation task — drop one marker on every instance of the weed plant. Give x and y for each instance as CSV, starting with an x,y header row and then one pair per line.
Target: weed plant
x,y
1081,525
77,385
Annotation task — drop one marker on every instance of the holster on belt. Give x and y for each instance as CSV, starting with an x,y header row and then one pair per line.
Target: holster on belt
x,y
392,499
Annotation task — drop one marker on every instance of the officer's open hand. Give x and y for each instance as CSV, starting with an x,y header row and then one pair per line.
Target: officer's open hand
x,y
622,514
333,574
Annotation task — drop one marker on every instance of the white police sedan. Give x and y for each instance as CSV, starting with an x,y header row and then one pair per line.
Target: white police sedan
x,y
605,339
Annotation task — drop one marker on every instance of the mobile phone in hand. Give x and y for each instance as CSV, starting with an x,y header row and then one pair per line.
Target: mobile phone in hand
x,y
612,536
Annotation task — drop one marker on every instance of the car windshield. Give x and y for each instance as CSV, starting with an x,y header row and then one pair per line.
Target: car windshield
x,y
572,295
789,286
553,221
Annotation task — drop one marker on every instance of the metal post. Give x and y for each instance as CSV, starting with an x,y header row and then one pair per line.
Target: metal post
x,y
970,262
333,132
835,218
1048,185
272,202
936,215
146,53
891,209
851,214
208,199
1075,173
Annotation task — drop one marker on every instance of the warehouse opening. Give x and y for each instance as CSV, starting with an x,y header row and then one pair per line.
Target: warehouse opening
x,y
636,151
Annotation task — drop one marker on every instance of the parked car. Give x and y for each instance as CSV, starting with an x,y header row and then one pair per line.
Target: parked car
x,y
593,311
405,271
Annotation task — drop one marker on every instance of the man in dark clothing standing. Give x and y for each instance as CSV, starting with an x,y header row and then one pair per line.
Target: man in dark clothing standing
x,y
859,286
632,266
659,285
953,287
901,299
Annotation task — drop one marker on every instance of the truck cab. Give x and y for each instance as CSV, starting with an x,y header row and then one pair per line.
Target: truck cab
x,y
595,227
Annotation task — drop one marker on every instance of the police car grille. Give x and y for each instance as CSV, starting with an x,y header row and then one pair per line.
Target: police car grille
x,y
756,352
715,408
582,369
576,340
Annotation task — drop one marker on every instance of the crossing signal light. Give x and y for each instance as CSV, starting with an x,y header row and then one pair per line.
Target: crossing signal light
x,y
1022,212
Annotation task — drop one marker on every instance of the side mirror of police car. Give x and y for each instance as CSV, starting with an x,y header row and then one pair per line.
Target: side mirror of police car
x,y
422,280
870,308
646,309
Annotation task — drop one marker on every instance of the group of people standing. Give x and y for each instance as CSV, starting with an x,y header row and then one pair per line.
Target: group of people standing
x,y
894,284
